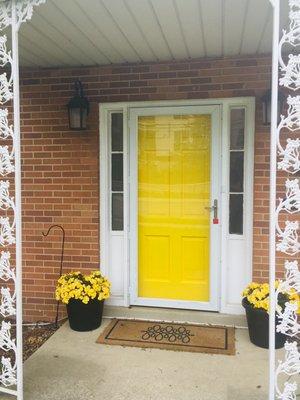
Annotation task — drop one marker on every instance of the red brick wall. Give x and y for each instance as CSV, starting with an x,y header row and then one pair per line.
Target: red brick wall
x,y
60,167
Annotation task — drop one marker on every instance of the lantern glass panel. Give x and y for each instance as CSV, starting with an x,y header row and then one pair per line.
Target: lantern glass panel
x,y
267,112
267,107
84,114
74,114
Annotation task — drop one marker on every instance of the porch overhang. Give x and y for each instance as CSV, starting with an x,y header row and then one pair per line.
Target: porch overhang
x,y
98,32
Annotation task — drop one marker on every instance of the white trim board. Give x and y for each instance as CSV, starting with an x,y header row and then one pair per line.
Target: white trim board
x,y
236,250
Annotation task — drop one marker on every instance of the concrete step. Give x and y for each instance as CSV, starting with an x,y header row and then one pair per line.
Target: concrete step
x,y
175,315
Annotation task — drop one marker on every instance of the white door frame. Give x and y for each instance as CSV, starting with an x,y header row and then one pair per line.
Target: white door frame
x,y
236,250
215,191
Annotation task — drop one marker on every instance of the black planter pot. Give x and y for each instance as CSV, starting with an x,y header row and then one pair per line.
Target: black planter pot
x,y
85,317
258,327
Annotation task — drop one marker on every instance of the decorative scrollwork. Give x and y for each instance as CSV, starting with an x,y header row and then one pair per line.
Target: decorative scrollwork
x,y
7,343
7,236
6,201
288,321
291,367
5,89
290,156
8,373
5,55
6,161
292,277
5,84
6,271
291,203
289,392
5,15
290,71
291,364
291,78
288,236
291,120
6,130
24,11
7,305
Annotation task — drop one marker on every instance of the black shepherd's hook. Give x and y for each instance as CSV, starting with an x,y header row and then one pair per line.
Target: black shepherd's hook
x,y
61,259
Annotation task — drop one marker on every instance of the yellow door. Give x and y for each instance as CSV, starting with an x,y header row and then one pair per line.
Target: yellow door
x,y
173,193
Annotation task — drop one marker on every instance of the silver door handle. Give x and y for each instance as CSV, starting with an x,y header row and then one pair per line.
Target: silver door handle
x,y
213,208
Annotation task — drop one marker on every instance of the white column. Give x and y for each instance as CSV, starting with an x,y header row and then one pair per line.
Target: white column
x,y
18,206
272,205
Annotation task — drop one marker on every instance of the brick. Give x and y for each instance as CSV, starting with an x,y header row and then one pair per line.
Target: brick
x,y
61,168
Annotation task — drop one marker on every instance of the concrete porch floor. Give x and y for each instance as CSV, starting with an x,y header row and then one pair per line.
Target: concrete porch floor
x,y
71,366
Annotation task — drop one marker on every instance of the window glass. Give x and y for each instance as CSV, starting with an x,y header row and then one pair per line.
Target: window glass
x,y
237,171
117,211
237,128
236,214
117,172
117,132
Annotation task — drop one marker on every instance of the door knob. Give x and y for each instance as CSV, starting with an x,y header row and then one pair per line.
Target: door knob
x,y
214,208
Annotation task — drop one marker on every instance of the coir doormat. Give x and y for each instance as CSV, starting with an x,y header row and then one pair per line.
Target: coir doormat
x,y
170,336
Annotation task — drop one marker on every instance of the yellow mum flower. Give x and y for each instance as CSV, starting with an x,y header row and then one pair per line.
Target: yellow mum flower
x,y
75,285
257,295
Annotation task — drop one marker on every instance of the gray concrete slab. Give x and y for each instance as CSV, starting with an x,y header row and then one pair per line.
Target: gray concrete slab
x,y
71,366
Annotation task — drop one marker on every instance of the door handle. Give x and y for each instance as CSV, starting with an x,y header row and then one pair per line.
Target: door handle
x,y
214,208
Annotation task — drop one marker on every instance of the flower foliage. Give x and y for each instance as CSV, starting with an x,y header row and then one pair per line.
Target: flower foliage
x,y
75,285
257,295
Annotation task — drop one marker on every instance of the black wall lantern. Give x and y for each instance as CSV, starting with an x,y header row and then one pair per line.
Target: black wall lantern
x,y
78,108
267,106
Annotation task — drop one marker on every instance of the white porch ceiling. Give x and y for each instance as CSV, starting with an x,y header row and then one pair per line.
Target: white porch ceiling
x,y
96,32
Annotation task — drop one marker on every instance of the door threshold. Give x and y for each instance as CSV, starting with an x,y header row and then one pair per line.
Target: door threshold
x,y
175,315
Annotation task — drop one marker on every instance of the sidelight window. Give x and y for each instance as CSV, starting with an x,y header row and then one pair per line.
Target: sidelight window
x,y
236,178
116,178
